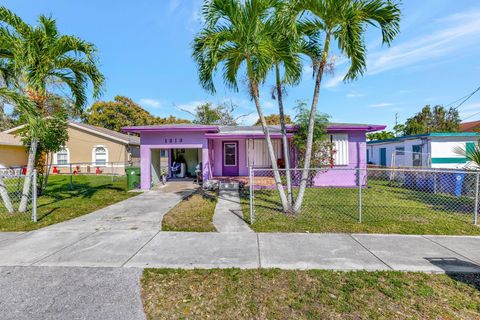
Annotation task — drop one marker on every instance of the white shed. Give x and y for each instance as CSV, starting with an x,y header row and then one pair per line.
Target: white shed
x,y
434,150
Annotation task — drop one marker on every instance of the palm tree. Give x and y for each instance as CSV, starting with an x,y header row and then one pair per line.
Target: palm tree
x,y
343,21
237,35
472,154
43,61
292,42
28,109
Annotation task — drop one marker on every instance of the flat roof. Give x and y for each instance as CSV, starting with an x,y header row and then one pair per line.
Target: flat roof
x,y
426,135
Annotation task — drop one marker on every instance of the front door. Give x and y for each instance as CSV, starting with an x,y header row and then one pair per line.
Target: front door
x,y
230,159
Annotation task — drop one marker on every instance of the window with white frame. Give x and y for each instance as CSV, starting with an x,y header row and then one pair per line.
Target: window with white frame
x,y
62,157
340,145
100,155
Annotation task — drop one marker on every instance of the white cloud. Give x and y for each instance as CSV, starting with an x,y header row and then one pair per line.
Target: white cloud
x,y
249,119
381,105
456,33
173,5
335,81
152,103
354,94
189,106
463,29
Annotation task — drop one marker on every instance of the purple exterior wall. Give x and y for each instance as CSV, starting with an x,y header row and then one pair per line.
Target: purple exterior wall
x,y
211,146
347,176
168,140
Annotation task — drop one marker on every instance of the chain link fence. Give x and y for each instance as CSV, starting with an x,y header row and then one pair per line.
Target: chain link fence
x,y
425,200
15,205
111,169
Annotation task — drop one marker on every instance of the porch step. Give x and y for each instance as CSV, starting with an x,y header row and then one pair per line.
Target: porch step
x,y
228,186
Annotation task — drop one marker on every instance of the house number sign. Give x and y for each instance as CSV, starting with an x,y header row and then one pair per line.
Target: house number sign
x,y
173,140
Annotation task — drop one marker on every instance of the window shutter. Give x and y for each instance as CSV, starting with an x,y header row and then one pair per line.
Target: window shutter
x,y
340,143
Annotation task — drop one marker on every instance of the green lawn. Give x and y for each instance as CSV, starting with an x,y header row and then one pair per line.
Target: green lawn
x,y
386,208
282,294
59,203
194,214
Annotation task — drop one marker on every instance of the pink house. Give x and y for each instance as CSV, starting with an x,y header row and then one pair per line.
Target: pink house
x,y
224,151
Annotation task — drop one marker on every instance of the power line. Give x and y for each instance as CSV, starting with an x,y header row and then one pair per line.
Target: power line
x,y
473,115
467,97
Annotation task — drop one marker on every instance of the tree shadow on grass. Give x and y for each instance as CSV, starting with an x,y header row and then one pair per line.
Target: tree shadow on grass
x,y
48,213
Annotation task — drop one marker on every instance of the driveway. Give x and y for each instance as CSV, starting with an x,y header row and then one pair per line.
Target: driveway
x,y
142,212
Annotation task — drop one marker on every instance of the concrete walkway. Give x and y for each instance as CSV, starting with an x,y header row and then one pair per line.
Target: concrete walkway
x,y
228,215
142,212
134,248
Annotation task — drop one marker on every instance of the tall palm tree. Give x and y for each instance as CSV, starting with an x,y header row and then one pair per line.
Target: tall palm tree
x,y
292,42
42,61
26,108
343,21
237,37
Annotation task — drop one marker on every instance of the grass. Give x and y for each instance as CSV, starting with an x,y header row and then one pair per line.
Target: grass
x,y
282,294
194,214
59,203
386,208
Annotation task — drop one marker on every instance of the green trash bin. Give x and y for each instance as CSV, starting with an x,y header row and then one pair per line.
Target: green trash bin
x,y
133,177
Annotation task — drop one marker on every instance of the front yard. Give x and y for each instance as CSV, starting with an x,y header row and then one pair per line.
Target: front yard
x,y
386,208
193,214
59,203
282,294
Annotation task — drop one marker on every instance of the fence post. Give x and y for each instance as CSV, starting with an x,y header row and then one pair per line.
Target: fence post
x,y
71,178
475,214
359,195
251,194
34,196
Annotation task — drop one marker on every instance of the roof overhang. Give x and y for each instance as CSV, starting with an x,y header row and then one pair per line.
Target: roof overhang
x,y
245,136
199,128
366,128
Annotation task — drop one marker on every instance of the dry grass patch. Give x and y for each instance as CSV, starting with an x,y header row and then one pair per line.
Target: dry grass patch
x,y
282,294
194,214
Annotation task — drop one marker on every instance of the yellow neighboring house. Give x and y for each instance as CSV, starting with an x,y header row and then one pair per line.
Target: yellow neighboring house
x,y
12,151
92,149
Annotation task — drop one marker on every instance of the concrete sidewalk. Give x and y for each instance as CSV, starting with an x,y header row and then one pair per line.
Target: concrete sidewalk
x,y
134,248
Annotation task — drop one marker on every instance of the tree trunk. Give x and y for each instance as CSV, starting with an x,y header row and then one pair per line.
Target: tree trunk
x,y
48,166
311,126
5,196
286,147
32,152
254,92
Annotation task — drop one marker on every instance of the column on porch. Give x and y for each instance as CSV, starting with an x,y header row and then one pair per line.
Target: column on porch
x,y
145,167
206,170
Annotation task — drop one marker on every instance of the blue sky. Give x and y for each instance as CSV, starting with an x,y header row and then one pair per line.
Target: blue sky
x,y
144,50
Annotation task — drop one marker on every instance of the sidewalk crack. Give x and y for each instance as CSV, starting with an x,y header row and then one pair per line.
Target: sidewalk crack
x,y
63,248
143,246
455,252
258,252
373,254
